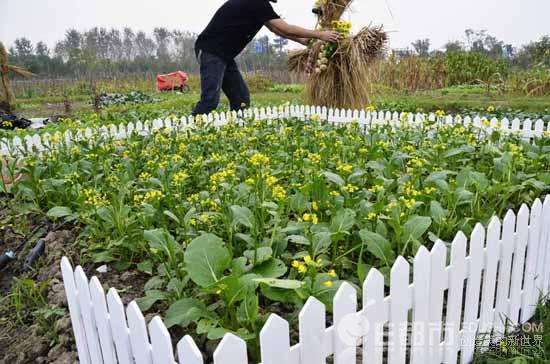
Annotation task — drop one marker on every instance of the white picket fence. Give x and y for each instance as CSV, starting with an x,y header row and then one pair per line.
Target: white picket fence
x,y
503,275
40,142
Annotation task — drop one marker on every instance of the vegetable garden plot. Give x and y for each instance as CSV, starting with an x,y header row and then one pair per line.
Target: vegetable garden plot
x,y
276,211
108,332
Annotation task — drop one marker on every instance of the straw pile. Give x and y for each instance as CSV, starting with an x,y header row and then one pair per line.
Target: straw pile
x,y
7,99
343,81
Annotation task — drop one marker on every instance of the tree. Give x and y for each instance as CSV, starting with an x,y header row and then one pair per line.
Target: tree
x,y
453,46
421,47
535,53
42,50
162,37
128,43
23,48
145,46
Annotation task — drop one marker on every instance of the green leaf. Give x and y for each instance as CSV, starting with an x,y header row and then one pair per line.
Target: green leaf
x,y
280,283
343,221
155,238
151,297
273,268
297,239
334,178
103,257
297,202
186,311
321,242
259,255
242,216
437,211
155,282
172,216
59,211
415,227
362,270
378,246
146,267
206,258
247,312
459,150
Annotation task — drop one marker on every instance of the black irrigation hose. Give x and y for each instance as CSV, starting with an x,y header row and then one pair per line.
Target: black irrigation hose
x,y
34,254
6,259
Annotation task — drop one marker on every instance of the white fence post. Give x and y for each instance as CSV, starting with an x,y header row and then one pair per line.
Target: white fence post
x,y
312,332
399,309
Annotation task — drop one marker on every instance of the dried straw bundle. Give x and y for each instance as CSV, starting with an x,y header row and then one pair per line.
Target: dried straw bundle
x,y
332,10
7,98
344,83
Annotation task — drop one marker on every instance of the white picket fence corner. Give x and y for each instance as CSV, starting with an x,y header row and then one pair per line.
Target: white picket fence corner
x,y
508,260
38,143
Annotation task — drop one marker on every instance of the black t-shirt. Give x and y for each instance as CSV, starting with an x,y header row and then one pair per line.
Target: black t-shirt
x,y
233,26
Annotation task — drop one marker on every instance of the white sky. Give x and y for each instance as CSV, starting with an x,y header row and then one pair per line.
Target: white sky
x,y
513,21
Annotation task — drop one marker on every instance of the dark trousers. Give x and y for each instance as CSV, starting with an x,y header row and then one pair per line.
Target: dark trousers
x,y
217,75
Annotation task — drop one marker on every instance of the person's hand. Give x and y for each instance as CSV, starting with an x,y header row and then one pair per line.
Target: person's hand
x,y
329,36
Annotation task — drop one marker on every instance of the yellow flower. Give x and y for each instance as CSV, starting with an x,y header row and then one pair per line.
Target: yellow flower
x,y
314,158
314,219
153,195
440,113
328,284
302,269
179,178
311,217
491,108
429,190
345,168
144,176
296,264
370,108
314,206
376,188
308,260
372,216
259,159
271,181
334,193
351,188
204,217
332,273
279,193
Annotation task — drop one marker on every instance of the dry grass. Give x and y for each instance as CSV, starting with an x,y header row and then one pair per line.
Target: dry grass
x,y
345,82
7,98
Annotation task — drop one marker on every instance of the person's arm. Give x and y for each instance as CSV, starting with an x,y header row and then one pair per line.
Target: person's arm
x,y
299,34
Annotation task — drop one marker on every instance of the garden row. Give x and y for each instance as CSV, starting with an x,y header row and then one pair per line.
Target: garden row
x,y
366,118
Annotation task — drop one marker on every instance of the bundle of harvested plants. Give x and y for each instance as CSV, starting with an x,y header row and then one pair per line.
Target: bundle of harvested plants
x,y
339,72
7,98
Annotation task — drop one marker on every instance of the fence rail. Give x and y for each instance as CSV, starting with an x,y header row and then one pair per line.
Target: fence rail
x,y
527,128
501,272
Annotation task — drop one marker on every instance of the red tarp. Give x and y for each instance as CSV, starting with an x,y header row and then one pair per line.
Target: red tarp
x,y
171,81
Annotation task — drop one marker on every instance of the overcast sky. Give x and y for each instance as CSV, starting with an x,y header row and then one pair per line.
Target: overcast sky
x,y
513,21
